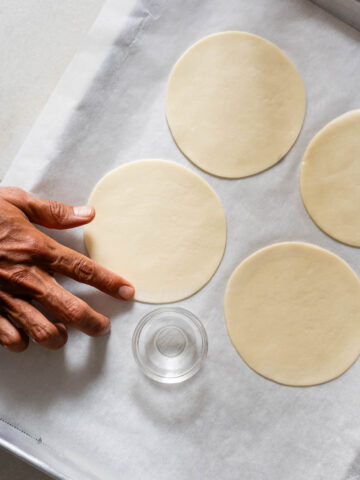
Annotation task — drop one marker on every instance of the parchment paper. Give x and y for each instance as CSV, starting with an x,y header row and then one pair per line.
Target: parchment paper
x,y
89,401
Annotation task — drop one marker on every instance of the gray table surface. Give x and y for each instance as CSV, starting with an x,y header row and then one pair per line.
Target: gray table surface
x,y
14,469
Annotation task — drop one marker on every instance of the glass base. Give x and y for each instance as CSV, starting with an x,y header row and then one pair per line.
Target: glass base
x,y
170,344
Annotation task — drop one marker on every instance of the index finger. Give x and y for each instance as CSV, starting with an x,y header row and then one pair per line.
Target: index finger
x,y
81,268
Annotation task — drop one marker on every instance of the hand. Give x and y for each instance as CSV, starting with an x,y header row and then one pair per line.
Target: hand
x,y
28,260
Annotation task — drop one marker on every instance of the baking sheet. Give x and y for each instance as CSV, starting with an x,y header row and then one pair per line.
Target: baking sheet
x,y
88,402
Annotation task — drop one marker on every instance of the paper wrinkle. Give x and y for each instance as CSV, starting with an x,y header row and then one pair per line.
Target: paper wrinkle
x,y
89,401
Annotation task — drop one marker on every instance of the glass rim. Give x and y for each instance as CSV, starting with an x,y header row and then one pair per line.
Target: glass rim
x,y
197,364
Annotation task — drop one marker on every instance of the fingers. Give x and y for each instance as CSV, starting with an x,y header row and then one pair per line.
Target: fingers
x,y
48,213
84,270
66,307
74,311
64,260
12,338
34,324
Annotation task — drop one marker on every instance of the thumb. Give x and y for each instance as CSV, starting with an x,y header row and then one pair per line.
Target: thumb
x,y
48,213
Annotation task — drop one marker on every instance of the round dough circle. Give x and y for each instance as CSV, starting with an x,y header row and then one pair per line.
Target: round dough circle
x,y
330,178
235,104
293,313
160,226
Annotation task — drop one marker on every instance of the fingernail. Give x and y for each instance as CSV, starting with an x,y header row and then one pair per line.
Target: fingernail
x,y
126,292
84,211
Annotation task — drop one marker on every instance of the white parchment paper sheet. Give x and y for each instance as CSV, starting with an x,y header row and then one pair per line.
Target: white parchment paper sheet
x,y
89,401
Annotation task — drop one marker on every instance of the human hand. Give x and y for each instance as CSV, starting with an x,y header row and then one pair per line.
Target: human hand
x,y
28,260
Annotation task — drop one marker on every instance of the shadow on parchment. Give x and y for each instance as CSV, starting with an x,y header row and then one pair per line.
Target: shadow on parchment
x,y
43,375
171,404
353,472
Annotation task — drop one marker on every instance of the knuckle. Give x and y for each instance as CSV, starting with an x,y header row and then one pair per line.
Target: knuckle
x,y
51,255
111,283
23,278
58,211
20,276
41,333
76,312
34,246
84,269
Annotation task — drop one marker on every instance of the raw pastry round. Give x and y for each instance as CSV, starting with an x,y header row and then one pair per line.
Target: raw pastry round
x,y
330,178
160,226
293,313
235,104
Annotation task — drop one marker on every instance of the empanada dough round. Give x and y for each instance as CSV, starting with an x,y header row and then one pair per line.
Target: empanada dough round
x,y
330,178
235,104
293,313
160,226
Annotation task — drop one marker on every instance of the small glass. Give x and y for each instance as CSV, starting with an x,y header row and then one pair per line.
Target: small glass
x,y
170,344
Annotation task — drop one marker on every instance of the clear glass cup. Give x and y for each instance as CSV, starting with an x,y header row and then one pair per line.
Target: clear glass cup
x,y
170,344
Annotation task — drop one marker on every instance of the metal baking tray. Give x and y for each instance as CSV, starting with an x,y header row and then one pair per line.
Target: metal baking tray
x,y
347,10
33,451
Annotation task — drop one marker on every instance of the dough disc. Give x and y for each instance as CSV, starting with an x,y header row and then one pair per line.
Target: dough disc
x,y
235,104
160,226
293,313
330,178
